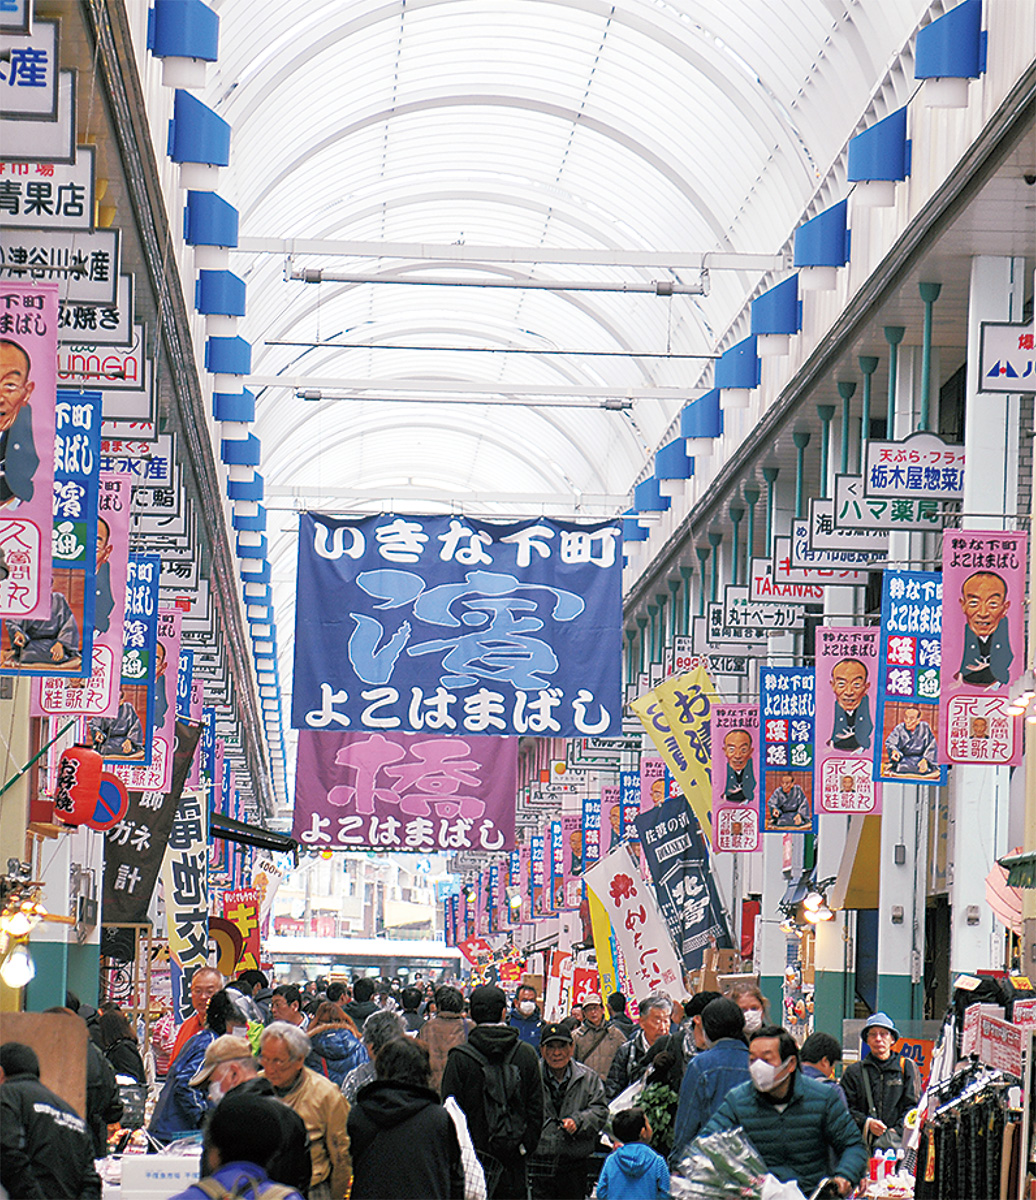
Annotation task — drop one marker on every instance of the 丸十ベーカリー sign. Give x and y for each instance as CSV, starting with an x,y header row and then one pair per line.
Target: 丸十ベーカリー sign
x,y
787,708
909,672
416,623
922,466
686,891
405,791
847,673
983,632
735,793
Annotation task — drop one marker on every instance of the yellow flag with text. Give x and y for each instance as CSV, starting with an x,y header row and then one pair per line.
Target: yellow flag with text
x,y
678,716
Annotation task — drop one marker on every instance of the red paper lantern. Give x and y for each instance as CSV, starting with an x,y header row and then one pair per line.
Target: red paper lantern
x,y
112,803
78,787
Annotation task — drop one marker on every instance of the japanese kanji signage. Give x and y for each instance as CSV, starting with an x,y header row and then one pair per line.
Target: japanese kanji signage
x,y
96,324
28,351
735,792
909,670
98,695
786,571
186,892
922,467
29,73
1006,360
572,858
44,141
156,776
591,845
418,623
49,196
853,509
241,908
983,644
686,891
638,925
60,642
847,565
763,585
847,675
84,265
762,617
405,791
825,534
787,708
133,849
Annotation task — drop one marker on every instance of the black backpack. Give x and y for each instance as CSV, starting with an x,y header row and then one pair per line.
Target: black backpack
x,y
502,1100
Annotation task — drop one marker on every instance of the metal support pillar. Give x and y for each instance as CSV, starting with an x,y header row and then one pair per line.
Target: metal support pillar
x,y
736,514
893,335
770,477
846,389
868,365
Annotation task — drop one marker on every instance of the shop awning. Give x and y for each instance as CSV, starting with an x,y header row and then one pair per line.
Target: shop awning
x,y
251,835
856,885
1020,868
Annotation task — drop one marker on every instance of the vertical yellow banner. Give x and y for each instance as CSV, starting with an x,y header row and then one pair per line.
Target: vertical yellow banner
x,y
602,931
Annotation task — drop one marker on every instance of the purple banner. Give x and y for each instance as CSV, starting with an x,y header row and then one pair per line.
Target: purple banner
x,y
405,791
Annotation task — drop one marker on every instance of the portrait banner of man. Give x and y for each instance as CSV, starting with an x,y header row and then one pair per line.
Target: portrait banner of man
x,y
910,668
787,712
983,646
847,672
157,776
735,793
28,385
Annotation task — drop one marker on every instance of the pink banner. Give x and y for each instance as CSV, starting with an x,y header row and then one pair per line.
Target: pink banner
x,y
847,674
157,777
983,646
572,848
405,791
735,791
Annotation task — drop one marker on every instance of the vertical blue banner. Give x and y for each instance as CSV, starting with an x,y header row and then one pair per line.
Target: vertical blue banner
x,y
184,683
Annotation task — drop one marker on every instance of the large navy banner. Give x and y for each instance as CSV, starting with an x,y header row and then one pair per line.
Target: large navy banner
x,y
449,624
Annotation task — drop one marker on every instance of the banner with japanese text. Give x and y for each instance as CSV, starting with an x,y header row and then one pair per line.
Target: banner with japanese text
x,y
60,642
909,675
591,841
133,848
28,375
652,783
735,797
557,867
621,803
677,716
457,625
186,892
787,710
572,858
405,791
537,877
241,908
157,775
983,645
847,670
686,891
99,694
638,925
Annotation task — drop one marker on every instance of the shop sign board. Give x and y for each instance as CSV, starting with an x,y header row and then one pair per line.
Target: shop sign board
x,y
825,534
44,141
16,16
921,467
84,265
113,368
855,510
1006,360
686,659
763,617
29,73
49,195
111,326
841,562
763,584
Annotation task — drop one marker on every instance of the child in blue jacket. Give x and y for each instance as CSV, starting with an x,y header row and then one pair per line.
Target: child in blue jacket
x,y
634,1171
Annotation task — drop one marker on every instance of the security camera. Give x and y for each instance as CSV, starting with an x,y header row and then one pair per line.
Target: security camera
x,y
1029,178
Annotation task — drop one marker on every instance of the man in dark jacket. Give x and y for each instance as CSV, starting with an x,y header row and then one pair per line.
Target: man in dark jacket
x,y
464,1078
103,1103
411,999
710,1075
575,1112
361,1006
617,1013
229,1066
448,1028
526,1016
889,1077
793,1122
630,1060
46,1149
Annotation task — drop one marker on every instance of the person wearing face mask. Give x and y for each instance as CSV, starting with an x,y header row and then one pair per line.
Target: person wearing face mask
x,y
526,1016
711,1075
229,1067
798,1125
752,1003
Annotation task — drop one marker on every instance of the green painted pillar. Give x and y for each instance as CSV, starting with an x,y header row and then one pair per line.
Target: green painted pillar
x,y
770,477
703,559
631,640
801,440
715,541
846,389
642,623
929,295
751,494
674,591
868,365
736,515
826,413
686,574
893,335
652,611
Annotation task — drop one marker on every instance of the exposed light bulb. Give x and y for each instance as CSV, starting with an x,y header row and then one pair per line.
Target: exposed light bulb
x,y
18,967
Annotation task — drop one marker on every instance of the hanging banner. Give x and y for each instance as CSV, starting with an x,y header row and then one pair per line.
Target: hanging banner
x,y
909,678
686,891
28,362
847,670
185,887
436,622
735,795
556,856
652,782
572,851
405,791
603,940
267,876
128,735
591,842
787,706
133,849
184,683
99,694
619,801
156,776
921,467
241,908
983,645
677,717
639,927
537,876
60,642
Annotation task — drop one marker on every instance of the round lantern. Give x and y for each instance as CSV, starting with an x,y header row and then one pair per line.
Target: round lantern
x,y
112,803
78,786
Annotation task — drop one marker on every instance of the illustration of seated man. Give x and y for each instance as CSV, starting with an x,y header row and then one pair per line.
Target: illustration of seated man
x,y
911,747
575,844
161,697
18,457
853,727
615,821
740,783
987,656
979,727
53,640
121,736
104,601
789,804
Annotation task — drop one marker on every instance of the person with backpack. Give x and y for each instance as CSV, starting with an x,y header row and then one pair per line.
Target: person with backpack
x,y
597,1040
240,1139
883,1087
495,1079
